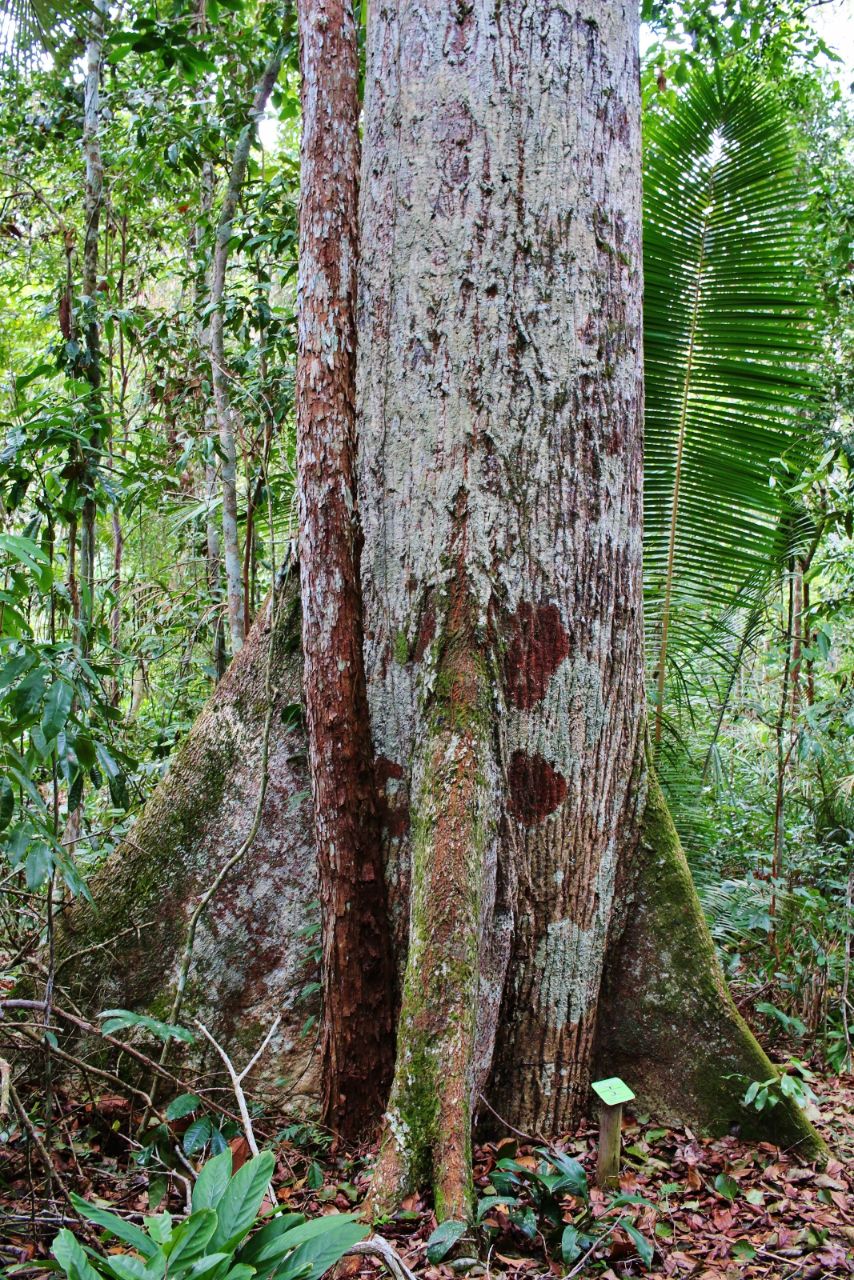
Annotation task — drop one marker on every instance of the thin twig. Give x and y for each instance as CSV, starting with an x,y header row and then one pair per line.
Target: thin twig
x,y
526,1137
129,1049
377,1247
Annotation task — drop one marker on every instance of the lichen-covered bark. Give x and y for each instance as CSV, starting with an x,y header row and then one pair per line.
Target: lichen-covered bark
x,y
455,786
500,375
500,417
358,1029
251,958
667,1022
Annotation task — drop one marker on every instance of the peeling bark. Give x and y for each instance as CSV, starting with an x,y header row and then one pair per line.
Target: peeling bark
x,y
500,420
358,1032
500,371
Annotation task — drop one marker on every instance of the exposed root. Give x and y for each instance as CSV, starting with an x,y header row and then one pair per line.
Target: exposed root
x,y
427,1128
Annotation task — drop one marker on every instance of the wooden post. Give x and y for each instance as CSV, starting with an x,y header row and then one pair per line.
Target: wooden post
x,y
612,1093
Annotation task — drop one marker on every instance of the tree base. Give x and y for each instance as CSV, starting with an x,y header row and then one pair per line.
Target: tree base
x,y
251,957
667,1022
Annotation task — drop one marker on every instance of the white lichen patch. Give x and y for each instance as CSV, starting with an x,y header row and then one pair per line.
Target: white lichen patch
x,y
569,960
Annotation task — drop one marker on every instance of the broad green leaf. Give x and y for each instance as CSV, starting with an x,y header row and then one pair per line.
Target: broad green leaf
x,y
184,1105
254,1251
644,1247
212,1181
726,1186
23,701
443,1239
71,1257
57,705
242,1199
313,1259
124,1266
197,1136
190,1237
7,803
570,1245
118,1227
29,554
38,866
296,1234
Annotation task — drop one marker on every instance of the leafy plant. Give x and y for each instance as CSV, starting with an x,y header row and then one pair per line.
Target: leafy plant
x,y
216,1240
539,1198
792,1084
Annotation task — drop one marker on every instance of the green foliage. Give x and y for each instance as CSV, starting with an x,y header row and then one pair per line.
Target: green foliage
x,y
731,347
539,1198
216,1240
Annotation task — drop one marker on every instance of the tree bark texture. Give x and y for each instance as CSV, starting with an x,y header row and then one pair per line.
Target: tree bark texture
x,y
251,958
500,419
219,373
544,919
358,1031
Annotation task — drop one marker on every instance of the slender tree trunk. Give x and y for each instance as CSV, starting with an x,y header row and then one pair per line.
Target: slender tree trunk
x,y
214,572
219,374
213,556
358,1032
92,214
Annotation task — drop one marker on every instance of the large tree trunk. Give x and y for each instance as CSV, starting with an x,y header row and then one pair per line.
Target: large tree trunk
x,y
543,913
358,1032
500,407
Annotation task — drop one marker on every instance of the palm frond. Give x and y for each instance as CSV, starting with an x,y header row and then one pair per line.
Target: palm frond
x,y
30,28
732,345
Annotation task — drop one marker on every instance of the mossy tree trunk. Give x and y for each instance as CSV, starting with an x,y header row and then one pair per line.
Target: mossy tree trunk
x,y
500,419
251,957
542,913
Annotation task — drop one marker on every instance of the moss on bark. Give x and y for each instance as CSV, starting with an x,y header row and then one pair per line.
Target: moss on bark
x,y
246,962
667,1021
427,1130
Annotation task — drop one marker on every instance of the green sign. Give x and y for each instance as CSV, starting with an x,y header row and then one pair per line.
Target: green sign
x,y
612,1091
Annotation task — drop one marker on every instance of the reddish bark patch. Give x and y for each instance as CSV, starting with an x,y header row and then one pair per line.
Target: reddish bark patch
x,y
426,632
393,808
538,645
535,788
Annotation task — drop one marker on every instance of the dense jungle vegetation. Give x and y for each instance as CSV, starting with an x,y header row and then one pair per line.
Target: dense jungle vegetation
x,y
149,511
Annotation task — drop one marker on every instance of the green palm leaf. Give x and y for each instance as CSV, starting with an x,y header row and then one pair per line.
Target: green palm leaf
x,y
732,344
29,28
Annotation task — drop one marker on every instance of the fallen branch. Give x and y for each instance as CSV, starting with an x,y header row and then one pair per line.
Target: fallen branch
x,y
377,1247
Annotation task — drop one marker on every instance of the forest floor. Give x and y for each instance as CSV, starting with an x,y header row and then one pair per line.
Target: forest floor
x,y
691,1207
